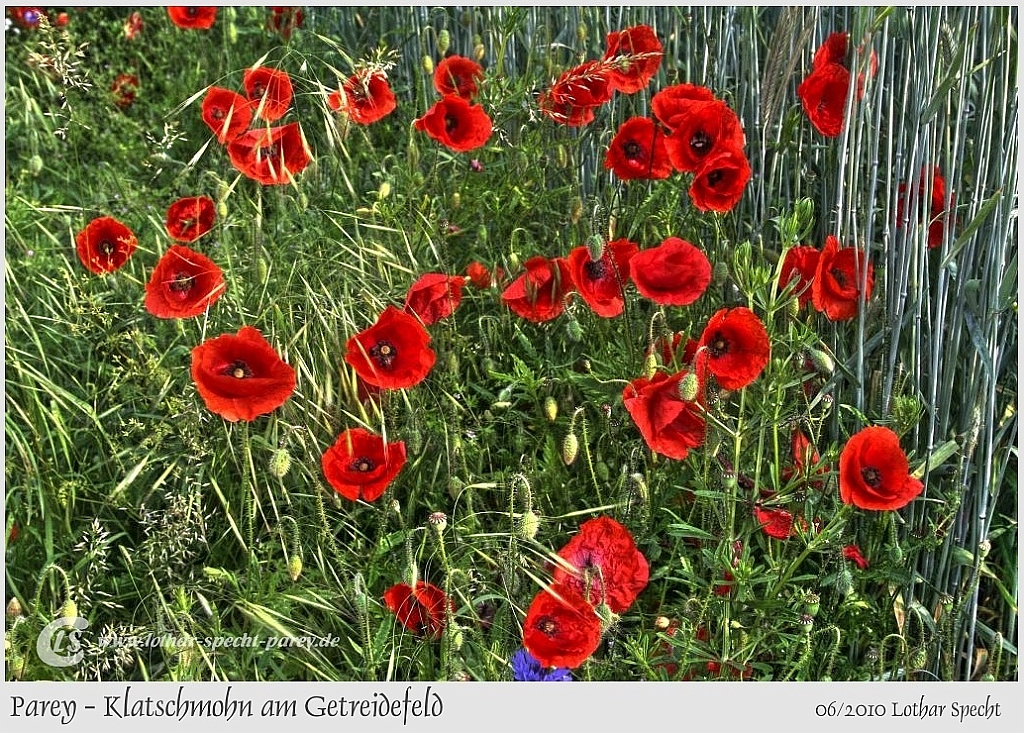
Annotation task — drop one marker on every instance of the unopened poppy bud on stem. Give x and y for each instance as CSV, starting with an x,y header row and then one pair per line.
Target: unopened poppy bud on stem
x,y
689,386
550,408
570,448
595,247
294,567
280,462
69,612
428,65
650,366
527,525
444,40
822,362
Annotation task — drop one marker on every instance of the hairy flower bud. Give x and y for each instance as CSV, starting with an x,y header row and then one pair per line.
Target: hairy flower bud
x,y
550,408
444,41
69,612
280,462
570,448
428,65
595,247
294,567
689,386
821,362
527,525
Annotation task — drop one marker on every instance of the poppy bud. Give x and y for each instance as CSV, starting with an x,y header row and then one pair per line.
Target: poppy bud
x,y
69,612
896,554
479,52
576,208
581,32
570,448
428,65
14,608
384,191
414,441
527,525
562,154
640,486
919,658
595,247
294,567
793,308
262,269
455,487
720,273
650,366
35,165
456,200
232,33
602,471
821,362
444,40
689,386
608,617
280,462
550,408
574,330
513,260
456,637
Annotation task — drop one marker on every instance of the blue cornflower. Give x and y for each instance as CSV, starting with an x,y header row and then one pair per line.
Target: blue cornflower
x,y
527,669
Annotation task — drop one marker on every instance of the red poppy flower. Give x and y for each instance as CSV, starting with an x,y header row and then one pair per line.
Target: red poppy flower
x,y
482,278
852,552
269,92
538,294
226,113
124,89
874,472
672,102
673,273
935,213
805,459
561,628
835,289
456,123
133,26
777,523
360,465
734,347
670,425
285,19
719,182
600,281
833,51
799,265
604,564
823,95
241,377
638,151
458,75
701,129
184,284
190,218
571,100
105,245
271,156
633,56
393,353
434,296
365,97
423,609
191,17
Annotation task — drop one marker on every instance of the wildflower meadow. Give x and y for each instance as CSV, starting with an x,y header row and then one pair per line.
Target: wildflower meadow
x,y
511,343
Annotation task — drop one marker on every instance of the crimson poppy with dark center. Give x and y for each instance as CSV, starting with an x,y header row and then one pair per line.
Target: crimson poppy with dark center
x,y
572,99
638,151
699,130
434,296
673,273
458,75
603,564
240,376
670,425
423,609
600,281
719,182
365,97
561,628
836,288
226,113
190,218
456,123
874,472
360,465
734,347
798,268
269,92
934,214
632,56
393,353
184,284
105,245
823,96
271,156
538,294
192,17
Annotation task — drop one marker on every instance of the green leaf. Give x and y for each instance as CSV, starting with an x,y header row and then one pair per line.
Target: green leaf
x,y
983,213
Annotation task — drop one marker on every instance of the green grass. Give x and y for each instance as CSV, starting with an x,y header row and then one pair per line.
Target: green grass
x,y
153,515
